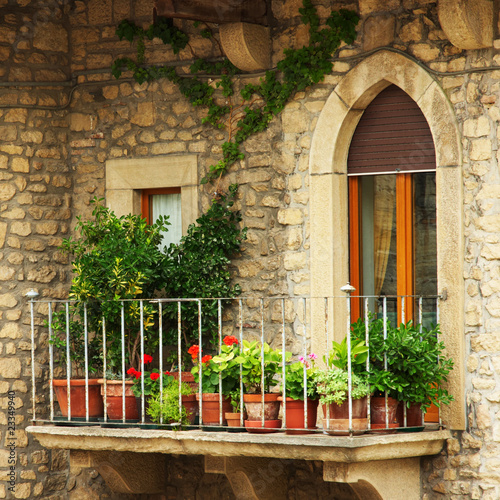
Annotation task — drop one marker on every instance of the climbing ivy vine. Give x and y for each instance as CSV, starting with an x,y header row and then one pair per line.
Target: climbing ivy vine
x,y
256,105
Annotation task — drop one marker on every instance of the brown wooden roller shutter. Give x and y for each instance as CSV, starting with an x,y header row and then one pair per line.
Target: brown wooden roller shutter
x,y
392,136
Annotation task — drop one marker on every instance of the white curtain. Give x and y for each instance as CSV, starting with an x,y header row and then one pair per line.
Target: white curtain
x,y
169,204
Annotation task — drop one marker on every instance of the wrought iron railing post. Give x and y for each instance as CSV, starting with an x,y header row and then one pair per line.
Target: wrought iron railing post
x,y
348,289
32,295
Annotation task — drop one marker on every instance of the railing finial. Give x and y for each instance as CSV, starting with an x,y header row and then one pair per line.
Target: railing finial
x,y
347,288
32,294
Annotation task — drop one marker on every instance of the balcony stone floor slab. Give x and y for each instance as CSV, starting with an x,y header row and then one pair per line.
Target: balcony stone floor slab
x,y
228,444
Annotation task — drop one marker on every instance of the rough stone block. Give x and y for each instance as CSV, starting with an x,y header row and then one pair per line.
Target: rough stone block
x,y
290,216
10,368
378,31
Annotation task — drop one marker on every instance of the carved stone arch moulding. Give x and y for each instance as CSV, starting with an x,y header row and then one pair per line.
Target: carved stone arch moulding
x,y
329,203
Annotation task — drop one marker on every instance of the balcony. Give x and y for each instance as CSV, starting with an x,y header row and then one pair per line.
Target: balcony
x,y
293,328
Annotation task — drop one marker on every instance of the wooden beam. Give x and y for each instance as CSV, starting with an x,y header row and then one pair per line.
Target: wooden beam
x,y
214,11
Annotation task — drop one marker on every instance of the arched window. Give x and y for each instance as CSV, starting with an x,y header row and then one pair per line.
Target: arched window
x,y
329,214
392,208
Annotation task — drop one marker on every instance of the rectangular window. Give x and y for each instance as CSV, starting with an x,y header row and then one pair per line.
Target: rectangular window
x,y
166,202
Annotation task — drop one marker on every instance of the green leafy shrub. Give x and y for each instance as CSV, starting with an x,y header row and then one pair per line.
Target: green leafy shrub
x,y
115,259
252,356
416,362
294,377
118,261
200,267
164,407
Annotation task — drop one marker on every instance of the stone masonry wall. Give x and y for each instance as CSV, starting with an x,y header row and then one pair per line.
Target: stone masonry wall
x,y
52,162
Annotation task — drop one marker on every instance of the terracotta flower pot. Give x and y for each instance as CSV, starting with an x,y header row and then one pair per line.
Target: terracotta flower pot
x,y
234,419
255,426
338,423
413,415
210,409
378,413
114,400
192,408
253,405
295,415
77,397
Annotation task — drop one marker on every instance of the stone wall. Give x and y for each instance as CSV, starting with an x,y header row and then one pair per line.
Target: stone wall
x,y
56,138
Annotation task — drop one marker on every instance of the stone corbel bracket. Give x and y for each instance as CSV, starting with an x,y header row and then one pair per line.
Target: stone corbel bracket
x,y
468,24
127,472
247,46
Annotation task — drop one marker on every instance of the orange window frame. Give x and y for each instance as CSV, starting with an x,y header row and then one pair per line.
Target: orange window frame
x,y
404,245
146,206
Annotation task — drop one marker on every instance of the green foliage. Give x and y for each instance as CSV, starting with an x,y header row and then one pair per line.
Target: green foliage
x,y
115,259
251,356
332,383
338,356
299,69
164,407
294,376
416,363
223,368
152,384
333,386
74,338
200,267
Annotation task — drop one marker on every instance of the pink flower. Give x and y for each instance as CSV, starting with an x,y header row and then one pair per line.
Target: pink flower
x,y
312,356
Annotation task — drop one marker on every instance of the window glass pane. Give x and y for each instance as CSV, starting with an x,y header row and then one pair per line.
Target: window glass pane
x,y
168,204
378,238
425,246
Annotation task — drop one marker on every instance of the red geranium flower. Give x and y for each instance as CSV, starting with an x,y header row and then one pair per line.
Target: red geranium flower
x,y
167,373
147,358
230,340
206,359
154,376
194,351
138,375
131,371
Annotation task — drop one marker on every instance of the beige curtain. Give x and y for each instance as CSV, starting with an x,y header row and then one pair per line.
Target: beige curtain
x,y
383,217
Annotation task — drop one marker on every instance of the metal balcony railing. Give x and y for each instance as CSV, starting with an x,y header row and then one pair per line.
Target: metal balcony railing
x,y
304,327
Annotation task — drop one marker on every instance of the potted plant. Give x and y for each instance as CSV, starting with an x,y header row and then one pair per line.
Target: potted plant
x,y
296,374
236,418
153,382
116,263
333,388
71,339
409,365
164,406
416,355
260,365
219,378
384,383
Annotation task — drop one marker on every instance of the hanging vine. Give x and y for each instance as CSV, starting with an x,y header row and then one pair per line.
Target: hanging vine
x,y
257,104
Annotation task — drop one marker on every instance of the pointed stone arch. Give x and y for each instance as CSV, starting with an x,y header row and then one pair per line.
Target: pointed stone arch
x,y
329,208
